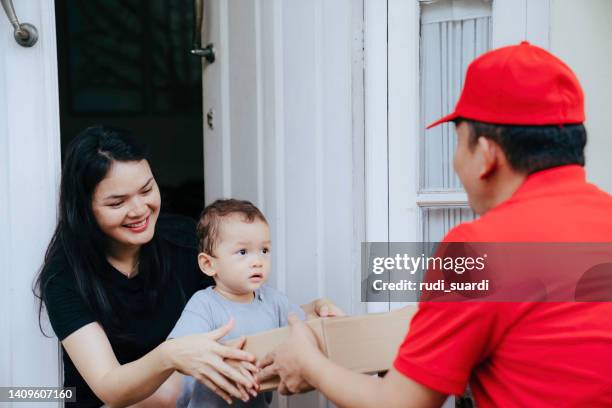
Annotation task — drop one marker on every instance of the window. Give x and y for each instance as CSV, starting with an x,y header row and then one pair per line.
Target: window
x,y
452,34
420,50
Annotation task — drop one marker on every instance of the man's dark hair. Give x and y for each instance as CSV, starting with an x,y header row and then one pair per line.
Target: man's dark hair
x,y
533,148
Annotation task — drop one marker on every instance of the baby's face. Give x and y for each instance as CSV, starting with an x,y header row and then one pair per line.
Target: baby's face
x,y
242,256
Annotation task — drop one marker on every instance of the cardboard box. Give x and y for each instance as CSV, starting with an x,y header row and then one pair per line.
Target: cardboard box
x,y
365,343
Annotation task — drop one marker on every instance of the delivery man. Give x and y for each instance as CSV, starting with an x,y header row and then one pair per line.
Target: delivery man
x,y
520,157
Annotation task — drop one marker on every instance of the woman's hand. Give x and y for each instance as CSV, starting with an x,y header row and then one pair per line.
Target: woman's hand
x,y
202,357
248,370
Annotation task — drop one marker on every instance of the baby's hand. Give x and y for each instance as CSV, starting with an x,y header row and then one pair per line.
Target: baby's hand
x,y
248,370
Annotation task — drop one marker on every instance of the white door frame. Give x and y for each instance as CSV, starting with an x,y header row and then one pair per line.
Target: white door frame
x,y
29,186
376,133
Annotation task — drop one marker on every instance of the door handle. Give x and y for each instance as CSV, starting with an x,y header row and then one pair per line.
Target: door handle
x,y
25,34
208,52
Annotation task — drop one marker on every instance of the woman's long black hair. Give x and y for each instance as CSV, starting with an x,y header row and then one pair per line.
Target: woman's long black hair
x,y
79,240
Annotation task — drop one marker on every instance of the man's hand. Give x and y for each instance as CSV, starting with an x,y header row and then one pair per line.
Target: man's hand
x,y
289,361
301,366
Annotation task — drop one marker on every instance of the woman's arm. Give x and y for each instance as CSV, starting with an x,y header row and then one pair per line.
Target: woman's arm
x,y
121,385
165,396
322,307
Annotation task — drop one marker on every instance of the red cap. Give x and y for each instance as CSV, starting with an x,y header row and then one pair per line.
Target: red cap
x,y
519,85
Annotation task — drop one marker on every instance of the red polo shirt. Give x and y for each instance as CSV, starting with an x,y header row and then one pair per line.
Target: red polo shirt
x,y
522,354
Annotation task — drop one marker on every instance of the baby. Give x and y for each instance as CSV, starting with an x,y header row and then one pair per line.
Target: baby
x,y
234,246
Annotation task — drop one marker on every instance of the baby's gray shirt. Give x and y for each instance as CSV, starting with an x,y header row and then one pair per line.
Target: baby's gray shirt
x,y
207,310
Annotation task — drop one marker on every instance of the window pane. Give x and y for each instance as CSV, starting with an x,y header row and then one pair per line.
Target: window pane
x,y
437,221
453,33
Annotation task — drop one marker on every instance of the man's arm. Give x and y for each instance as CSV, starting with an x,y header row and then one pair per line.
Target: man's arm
x,y
300,363
346,388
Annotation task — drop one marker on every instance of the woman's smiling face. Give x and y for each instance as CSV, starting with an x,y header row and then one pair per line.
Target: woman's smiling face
x,y
126,203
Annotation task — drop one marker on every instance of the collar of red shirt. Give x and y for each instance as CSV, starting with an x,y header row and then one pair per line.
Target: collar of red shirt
x,y
559,177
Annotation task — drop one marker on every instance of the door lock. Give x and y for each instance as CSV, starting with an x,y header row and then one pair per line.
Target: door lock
x,y
210,119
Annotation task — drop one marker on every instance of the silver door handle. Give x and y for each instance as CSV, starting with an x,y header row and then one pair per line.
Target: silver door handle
x,y
208,52
25,34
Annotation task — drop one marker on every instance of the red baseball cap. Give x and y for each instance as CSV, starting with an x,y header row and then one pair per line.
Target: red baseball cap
x,y
519,85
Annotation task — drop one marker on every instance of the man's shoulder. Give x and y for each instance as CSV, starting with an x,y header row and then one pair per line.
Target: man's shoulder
x,y
543,218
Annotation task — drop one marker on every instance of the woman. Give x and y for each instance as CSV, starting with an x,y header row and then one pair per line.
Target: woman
x,y
114,285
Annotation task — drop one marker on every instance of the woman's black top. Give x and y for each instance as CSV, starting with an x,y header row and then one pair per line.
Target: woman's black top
x,y
141,328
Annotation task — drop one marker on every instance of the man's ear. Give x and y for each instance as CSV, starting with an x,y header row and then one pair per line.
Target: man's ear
x,y
207,264
488,151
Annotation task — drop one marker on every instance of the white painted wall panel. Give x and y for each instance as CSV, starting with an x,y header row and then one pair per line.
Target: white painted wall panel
x,y
301,114
580,35
376,150
243,97
517,20
273,125
337,201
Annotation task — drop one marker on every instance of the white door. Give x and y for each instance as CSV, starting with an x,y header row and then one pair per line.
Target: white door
x,y
232,120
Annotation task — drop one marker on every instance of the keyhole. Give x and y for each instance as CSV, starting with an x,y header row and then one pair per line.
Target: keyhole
x,y
210,119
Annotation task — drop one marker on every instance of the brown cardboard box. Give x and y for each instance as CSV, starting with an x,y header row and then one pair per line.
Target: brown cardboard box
x,y
365,343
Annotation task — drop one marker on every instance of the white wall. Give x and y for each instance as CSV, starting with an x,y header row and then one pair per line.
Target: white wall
x,y
581,35
29,173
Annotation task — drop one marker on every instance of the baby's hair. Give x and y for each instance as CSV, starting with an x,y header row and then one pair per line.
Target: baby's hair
x,y
213,215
